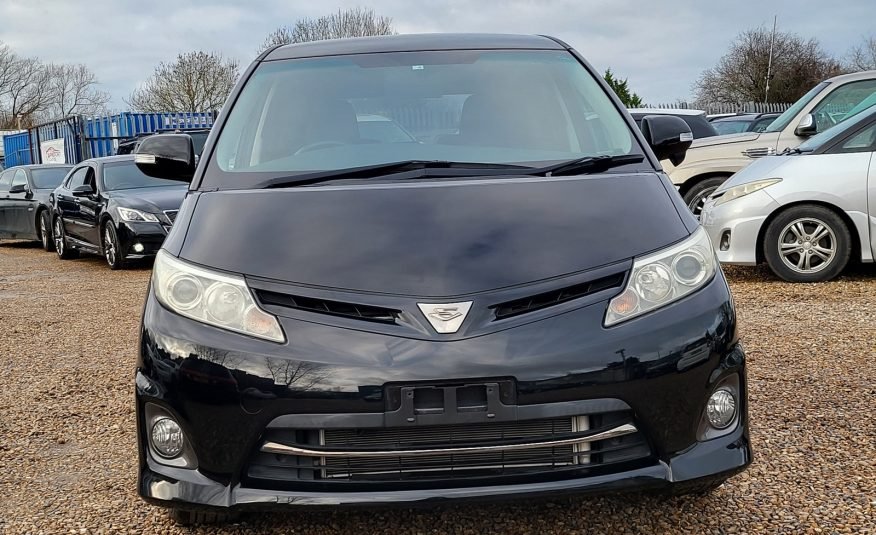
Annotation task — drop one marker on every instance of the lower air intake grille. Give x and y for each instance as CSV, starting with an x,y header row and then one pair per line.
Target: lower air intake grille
x,y
429,466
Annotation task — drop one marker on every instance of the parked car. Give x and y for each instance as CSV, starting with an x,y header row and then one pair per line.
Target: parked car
x,y
523,308
695,119
743,122
199,137
107,206
711,161
24,201
806,212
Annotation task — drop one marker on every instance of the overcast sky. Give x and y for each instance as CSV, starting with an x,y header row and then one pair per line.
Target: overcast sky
x,y
661,47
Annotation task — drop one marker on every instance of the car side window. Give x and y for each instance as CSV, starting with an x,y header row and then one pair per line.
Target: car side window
x,y
19,178
6,179
863,141
78,177
842,103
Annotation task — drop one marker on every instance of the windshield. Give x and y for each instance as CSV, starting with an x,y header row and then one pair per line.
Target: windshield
x,y
816,141
126,175
785,119
496,107
48,178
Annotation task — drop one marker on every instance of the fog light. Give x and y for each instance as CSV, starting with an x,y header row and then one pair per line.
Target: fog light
x,y
167,438
721,409
724,244
138,247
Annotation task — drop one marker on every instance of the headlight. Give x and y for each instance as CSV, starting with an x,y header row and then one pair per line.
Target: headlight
x,y
129,214
213,298
744,189
663,277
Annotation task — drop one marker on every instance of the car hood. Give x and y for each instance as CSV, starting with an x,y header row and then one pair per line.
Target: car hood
x,y
759,169
436,238
157,199
725,139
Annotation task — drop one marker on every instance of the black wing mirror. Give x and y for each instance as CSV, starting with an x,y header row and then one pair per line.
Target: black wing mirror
x,y
18,188
807,126
82,191
669,137
169,156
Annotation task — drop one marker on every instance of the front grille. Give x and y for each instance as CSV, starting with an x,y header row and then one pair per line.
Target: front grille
x,y
324,306
171,215
555,297
425,466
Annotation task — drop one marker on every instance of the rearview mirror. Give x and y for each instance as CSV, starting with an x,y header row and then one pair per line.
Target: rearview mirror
x,y
669,137
806,127
169,156
18,188
82,191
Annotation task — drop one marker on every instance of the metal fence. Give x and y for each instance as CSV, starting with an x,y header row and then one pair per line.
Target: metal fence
x,y
727,107
81,138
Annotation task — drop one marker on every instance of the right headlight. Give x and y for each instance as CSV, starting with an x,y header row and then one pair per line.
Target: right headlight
x,y
663,277
745,189
217,299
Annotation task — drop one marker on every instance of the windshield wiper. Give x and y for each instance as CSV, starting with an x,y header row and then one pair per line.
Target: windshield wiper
x,y
415,168
587,164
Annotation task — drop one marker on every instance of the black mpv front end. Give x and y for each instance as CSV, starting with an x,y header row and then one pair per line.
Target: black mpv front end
x,y
515,303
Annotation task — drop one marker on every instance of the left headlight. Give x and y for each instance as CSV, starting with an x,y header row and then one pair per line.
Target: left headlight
x,y
745,189
663,277
216,299
129,214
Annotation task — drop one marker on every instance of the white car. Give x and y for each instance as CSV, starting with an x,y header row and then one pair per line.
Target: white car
x,y
805,212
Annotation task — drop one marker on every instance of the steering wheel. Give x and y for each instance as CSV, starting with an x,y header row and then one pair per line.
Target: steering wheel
x,y
319,145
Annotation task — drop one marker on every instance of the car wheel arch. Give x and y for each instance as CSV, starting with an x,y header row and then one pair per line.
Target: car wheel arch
x,y
694,180
857,239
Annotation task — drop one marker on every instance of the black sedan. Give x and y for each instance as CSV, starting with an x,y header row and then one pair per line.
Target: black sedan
x,y
24,201
107,206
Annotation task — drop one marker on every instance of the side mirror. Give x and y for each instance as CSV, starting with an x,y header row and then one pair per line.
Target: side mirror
x,y
806,127
669,137
168,156
18,188
82,191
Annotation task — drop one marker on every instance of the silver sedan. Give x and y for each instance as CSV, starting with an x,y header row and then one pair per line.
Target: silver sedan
x,y
805,212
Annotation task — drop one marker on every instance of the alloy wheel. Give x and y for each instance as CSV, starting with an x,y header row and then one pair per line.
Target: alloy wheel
x,y
59,237
807,245
696,204
44,232
109,246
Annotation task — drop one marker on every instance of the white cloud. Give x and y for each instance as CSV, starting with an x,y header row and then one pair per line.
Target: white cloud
x,y
660,46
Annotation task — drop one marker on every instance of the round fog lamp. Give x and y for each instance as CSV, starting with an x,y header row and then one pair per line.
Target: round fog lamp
x,y
721,408
167,438
138,247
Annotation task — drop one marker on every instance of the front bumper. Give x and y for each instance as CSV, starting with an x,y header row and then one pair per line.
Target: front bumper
x,y
734,227
149,235
227,391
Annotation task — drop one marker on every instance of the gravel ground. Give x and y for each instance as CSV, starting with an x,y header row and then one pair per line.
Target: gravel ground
x,y
68,459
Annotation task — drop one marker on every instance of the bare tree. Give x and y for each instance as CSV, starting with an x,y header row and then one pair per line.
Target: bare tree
x,y
73,90
862,57
356,22
26,92
741,75
196,81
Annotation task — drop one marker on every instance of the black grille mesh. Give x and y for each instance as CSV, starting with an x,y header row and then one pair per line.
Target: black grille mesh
x,y
555,297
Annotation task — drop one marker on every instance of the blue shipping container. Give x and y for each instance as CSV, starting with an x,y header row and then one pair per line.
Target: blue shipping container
x,y
93,137
17,149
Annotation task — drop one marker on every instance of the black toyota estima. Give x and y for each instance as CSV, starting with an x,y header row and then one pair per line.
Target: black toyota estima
x,y
516,302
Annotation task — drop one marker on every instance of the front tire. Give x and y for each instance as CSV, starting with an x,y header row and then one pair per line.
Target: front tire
x,y
111,250
44,225
807,243
696,196
60,239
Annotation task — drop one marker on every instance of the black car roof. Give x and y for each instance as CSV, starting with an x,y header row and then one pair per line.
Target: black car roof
x,y
42,165
414,43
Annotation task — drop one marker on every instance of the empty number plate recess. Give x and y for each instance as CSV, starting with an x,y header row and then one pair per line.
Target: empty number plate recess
x,y
437,405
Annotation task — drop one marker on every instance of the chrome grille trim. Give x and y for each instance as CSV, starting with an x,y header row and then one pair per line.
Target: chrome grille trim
x,y
283,449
